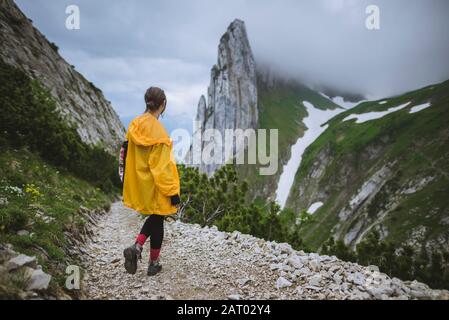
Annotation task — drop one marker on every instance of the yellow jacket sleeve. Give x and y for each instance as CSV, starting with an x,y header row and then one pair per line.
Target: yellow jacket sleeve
x,y
163,169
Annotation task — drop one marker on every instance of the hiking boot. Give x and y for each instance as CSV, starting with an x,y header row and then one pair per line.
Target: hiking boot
x,y
131,255
154,268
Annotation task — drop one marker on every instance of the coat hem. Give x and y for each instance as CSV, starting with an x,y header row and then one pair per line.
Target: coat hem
x,y
147,212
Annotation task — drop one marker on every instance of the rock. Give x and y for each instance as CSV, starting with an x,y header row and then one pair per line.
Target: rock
x,y
116,260
419,294
295,262
334,268
285,267
315,280
315,265
417,286
299,290
326,258
282,283
338,279
39,280
442,295
304,271
20,261
314,288
234,297
285,248
236,235
296,273
380,293
276,266
242,282
357,278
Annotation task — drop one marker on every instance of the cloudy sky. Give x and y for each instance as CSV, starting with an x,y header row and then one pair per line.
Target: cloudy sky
x,y
125,47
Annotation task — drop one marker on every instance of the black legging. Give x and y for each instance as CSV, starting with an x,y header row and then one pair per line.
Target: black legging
x,y
154,229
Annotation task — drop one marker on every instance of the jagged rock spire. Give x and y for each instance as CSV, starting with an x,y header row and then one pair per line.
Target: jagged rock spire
x,y
232,94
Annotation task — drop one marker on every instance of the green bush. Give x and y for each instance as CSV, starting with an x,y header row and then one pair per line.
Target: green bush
x,y
220,201
12,219
29,118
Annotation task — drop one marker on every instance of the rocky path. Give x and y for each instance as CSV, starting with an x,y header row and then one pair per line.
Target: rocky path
x,y
203,263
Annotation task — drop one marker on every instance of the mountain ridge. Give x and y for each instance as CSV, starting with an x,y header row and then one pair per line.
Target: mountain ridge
x,y
83,104
373,158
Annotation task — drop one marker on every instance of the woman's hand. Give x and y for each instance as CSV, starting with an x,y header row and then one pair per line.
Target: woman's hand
x,y
175,200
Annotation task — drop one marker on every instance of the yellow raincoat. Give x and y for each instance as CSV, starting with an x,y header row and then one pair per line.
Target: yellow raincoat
x,y
151,176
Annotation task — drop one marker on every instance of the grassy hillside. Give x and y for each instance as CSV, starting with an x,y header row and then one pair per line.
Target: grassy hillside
x,y
280,107
49,178
410,155
39,204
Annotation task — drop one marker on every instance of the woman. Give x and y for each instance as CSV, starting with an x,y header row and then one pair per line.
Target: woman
x,y
151,182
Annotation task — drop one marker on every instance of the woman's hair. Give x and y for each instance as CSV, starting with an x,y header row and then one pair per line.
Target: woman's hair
x,y
154,97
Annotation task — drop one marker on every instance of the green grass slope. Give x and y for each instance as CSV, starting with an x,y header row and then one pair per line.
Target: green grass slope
x,y
281,108
410,203
39,206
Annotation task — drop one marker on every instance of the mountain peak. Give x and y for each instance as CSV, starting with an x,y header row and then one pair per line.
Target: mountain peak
x,y
232,93
237,23
236,40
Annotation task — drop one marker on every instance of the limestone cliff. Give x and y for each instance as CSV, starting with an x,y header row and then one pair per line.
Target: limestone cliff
x,y
79,100
232,93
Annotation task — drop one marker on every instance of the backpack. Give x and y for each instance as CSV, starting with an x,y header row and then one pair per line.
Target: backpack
x,y
122,161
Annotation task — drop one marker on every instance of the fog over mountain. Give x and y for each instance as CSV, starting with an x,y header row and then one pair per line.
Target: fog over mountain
x,y
124,48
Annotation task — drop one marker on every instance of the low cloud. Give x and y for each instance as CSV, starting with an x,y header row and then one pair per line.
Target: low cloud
x,y
126,47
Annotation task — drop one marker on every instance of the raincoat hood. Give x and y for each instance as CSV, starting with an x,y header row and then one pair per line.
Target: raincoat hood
x,y
146,130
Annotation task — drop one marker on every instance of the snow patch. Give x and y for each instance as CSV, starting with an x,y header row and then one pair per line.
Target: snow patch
x,y
313,122
345,104
314,207
420,107
383,102
364,117
341,101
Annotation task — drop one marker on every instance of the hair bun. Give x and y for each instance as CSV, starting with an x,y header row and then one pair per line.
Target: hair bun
x,y
154,97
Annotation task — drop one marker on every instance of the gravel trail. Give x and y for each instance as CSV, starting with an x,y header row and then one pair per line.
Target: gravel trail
x,y
204,263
